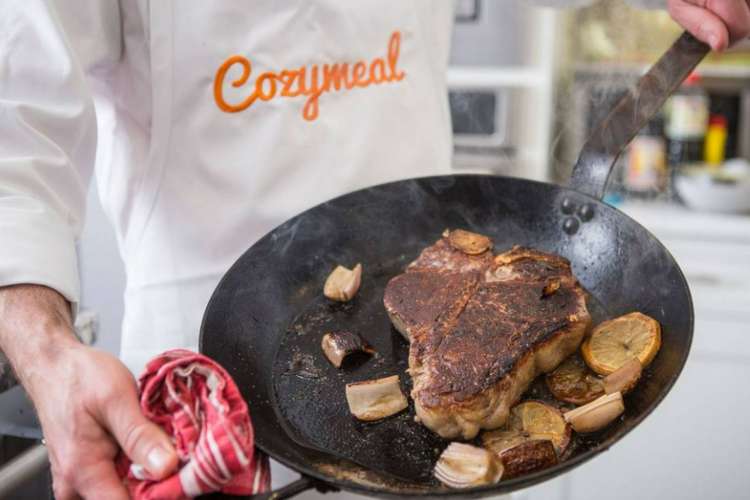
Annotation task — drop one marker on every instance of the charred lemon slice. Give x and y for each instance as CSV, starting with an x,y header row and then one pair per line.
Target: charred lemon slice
x,y
617,341
573,382
530,420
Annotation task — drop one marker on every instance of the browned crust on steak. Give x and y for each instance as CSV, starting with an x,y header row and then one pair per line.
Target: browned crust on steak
x,y
499,323
478,342
419,299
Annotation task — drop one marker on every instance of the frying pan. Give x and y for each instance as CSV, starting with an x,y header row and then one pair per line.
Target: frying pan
x,y
265,320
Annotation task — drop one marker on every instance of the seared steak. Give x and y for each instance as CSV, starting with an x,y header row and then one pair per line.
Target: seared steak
x,y
481,328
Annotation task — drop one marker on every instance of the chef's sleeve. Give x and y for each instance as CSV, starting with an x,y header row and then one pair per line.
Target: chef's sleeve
x,y
47,139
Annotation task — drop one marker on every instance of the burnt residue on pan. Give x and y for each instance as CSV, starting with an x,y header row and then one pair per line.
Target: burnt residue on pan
x,y
315,408
310,392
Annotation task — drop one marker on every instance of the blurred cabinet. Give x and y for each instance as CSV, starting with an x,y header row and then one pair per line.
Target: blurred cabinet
x,y
695,443
504,58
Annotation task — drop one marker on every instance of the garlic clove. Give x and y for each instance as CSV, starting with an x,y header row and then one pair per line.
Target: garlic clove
x,y
465,466
339,345
529,456
342,284
468,242
375,399
597,414
624,378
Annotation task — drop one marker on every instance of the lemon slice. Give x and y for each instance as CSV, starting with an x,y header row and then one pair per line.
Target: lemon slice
x,y
617,341
530,420
574,382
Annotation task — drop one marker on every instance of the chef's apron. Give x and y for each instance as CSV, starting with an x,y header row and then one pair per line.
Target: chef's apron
x,y
260,110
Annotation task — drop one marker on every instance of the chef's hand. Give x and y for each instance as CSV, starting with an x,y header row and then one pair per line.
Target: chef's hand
x,y
719,23
86,399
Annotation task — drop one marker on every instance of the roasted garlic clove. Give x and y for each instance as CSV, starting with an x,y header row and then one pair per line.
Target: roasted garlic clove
x,y
529,456
624,378
597,414
375,399
338,345
468,242
465,466
342,284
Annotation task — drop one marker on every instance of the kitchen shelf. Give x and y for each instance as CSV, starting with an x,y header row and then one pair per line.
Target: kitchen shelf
x,y
478,77
532,108
706,70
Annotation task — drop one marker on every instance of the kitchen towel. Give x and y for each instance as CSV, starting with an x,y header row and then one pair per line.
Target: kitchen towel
x,y
198,404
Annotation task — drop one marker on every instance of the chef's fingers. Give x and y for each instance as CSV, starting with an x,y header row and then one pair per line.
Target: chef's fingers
x,y
142,441
735,14
701,22
100,480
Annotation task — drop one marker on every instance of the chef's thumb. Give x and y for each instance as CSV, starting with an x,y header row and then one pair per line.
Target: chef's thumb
x,y
145,443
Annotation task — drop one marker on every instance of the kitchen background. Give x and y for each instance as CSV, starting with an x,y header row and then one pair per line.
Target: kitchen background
x,y
527,84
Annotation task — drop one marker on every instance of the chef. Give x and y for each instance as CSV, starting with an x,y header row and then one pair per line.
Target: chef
x,y
207,124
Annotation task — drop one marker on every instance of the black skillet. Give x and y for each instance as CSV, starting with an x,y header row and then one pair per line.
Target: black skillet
x,y
266,318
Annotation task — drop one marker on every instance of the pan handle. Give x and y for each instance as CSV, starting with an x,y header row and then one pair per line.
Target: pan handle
x,y
632,112
304,483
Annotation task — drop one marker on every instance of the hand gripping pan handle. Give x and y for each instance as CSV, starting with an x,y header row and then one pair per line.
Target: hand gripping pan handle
x,y
634,110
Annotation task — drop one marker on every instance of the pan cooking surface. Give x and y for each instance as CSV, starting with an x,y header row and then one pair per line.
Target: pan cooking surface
x,y
265,320
310,392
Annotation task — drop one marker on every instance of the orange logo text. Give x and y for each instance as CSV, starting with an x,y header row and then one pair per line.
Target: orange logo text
x,y
311,82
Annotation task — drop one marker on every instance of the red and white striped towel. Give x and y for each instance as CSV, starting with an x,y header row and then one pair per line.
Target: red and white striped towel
x,y
198,404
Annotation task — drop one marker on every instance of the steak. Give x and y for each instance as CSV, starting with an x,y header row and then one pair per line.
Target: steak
x,y
481,328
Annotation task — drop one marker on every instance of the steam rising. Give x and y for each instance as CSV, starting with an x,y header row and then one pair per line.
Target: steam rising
x,y
610,44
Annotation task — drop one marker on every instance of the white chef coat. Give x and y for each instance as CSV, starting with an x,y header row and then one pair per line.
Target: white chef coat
x,y
216,122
